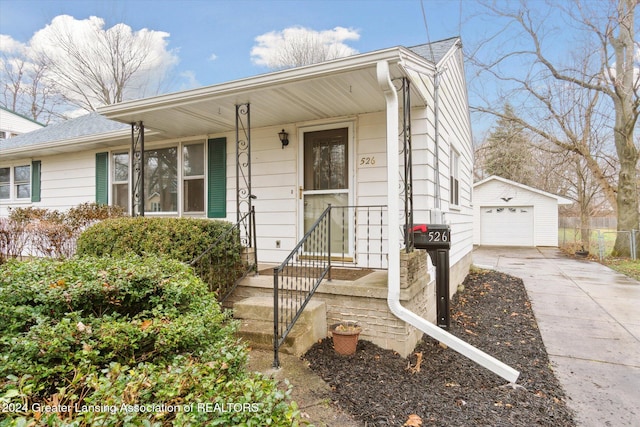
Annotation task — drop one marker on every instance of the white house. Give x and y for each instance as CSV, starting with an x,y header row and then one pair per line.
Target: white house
x,y
13,124
507,213
286,143
334,113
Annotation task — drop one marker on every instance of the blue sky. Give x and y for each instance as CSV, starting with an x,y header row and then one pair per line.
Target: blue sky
x,y
227,29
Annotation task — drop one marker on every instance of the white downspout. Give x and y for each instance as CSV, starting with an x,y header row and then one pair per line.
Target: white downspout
x,y
393,296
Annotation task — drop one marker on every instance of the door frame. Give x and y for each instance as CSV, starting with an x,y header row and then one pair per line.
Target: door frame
x,y
351,141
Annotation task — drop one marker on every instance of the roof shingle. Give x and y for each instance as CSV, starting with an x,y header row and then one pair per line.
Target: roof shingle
x,y
435,51
90,124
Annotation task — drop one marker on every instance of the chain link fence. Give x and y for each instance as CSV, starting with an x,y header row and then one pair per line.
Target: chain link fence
x,y
599,242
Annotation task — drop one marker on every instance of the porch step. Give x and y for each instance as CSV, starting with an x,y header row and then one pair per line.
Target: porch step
x,y
256,316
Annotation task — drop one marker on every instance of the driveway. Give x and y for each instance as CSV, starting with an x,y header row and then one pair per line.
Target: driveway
x,y
589,319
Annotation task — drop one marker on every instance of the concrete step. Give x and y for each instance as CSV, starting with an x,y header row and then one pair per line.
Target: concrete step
x,y
256,316
259,334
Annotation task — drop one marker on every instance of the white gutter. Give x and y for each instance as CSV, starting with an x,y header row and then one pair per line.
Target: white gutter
x,y
393,297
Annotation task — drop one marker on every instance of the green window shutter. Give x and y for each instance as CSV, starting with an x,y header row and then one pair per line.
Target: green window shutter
x,y
102,178
217,178
36,168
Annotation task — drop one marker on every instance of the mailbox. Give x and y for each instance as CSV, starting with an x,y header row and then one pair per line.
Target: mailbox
x,y
431,236
436,239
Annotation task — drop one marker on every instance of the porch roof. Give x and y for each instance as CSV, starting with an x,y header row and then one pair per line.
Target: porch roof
x,y
336,88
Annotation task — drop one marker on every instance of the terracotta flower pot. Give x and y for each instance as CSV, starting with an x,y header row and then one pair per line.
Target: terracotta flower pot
x,y
345,338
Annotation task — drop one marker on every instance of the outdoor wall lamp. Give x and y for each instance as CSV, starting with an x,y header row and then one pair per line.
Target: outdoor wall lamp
x,y
284,138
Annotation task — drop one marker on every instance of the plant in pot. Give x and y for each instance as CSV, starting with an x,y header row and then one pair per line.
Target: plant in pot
x,y
345,337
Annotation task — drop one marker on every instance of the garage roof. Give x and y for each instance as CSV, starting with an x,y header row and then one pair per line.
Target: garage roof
x,y
561,200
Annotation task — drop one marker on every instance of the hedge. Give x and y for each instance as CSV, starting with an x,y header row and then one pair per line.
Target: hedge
x,y
47,232
124,341
180,238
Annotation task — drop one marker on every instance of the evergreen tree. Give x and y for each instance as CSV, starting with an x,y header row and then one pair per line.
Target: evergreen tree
x,y
507,152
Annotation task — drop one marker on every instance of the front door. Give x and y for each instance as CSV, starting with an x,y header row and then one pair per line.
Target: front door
x,y
326,181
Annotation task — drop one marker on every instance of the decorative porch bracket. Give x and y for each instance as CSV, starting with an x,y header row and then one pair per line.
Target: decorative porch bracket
x,y
407,177
244,197
137,165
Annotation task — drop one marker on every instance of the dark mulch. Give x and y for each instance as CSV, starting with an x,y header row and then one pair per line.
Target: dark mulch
x,y
493,313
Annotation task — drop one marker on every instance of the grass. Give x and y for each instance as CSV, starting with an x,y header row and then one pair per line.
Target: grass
x,y
624,266
569,242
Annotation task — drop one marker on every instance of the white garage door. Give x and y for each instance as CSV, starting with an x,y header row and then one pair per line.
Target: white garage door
x,y
506,226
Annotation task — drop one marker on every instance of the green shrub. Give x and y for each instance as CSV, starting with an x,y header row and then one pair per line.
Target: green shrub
x,y
183,239
113,333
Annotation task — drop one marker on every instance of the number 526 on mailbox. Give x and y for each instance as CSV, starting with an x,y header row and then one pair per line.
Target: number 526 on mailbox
x,y
431,236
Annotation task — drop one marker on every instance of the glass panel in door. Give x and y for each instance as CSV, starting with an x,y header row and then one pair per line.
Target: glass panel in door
x,y
326,181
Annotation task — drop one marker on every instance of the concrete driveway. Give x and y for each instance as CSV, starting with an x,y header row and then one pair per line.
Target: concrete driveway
x,y
589,319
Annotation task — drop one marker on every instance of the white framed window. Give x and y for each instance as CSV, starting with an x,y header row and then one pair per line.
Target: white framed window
x,y
454,178
22,181
15,183
175,178
161,180
120,180
5,183
193,178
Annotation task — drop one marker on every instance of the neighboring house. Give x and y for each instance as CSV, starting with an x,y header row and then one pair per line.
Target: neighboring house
x,y
507,213
215,152
14,124
15,181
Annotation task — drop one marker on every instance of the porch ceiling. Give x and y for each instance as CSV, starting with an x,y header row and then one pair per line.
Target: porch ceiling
x,y
332,89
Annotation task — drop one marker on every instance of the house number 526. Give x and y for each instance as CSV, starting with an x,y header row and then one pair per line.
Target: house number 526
x,y
367,161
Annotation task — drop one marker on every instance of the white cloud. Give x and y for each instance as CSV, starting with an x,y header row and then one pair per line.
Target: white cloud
x,y
213,57
295,46
11,46
189,80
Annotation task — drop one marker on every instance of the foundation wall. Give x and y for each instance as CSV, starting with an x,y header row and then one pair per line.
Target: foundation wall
x,y
365,300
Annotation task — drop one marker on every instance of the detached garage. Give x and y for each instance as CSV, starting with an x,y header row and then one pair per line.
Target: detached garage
x,y
507,213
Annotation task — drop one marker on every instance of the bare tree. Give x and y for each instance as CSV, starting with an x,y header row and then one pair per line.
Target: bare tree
x,y
298,46
306,50
73,64
26,90
97,71
601,75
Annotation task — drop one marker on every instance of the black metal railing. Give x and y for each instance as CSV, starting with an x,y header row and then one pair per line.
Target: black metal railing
x,y
342,235
230,258
359,236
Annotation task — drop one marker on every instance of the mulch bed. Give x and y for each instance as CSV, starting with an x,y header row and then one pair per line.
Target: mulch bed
x,y
493,313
